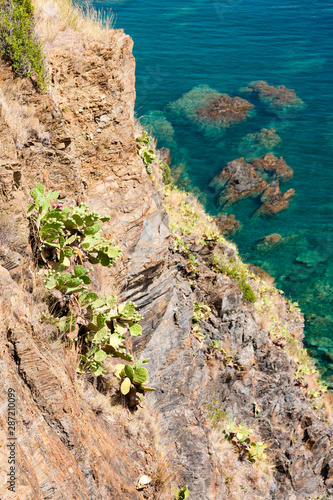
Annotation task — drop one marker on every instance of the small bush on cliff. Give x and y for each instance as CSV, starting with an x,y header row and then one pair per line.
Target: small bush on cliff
x,y
18,43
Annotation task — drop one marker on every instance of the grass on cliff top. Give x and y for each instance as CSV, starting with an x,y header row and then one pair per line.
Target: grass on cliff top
x,y
56,17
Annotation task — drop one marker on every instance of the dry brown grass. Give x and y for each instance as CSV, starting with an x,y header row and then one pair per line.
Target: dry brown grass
x,y
56,17
19,117
243,480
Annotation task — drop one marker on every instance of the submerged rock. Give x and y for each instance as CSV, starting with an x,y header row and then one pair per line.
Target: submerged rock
x,y
274,201
258,143
210,110
277,98
157,124
238,180
227,224
269,241
225,110
277,167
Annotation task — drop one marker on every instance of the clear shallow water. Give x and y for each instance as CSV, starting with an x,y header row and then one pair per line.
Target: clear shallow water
x,y
226,45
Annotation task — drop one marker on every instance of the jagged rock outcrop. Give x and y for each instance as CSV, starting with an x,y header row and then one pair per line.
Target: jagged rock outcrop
x,y
274,166
84,146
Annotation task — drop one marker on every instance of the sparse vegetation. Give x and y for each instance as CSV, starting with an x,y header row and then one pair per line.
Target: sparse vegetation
x,y
181,494
145,150
18,42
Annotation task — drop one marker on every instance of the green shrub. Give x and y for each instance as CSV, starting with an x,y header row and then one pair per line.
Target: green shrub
x,y
18,42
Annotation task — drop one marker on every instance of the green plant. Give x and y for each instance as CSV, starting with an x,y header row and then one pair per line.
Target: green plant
x,y
243,438
18,42
200,312
215,412
74,233
147,154
182,494
238,271
66,239
133,379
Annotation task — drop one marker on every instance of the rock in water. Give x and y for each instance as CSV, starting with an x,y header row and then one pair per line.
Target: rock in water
x,y
268,242
279,99
273,200
238,180
277,167
225,110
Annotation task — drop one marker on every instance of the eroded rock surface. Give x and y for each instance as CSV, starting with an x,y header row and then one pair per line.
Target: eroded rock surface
x,y
225,110
238,180
274,166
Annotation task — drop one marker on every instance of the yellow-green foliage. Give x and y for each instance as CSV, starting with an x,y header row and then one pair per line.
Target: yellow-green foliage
x,y
18,43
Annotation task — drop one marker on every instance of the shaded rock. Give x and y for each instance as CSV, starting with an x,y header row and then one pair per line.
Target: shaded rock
x,y
227,224
274,201
277,167
163,154
269,241
238,180
225,110
277,98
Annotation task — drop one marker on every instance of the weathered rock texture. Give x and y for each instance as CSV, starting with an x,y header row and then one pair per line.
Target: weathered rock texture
x,y
277,98
225,110
239,179
84,146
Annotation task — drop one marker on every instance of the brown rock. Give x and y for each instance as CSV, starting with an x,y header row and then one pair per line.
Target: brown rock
x,y
225,110
273,165
278,97
227,224
238,180
273,200
269,241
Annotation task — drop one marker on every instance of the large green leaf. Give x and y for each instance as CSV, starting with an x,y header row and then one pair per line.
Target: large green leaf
x,y
135,329
100,356
129,371
140,375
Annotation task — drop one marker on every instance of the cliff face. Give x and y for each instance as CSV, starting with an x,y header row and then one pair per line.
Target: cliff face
x,y
80,140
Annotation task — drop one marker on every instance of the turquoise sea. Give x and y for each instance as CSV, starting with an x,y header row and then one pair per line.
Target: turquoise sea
x,y
225,45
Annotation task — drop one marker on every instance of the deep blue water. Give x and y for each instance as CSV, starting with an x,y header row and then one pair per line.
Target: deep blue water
x,y
226,45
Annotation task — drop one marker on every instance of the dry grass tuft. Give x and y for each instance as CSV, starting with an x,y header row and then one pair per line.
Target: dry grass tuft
x,y
55,17
242,479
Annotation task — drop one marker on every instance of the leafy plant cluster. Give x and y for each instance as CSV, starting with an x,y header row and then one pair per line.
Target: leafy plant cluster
x,y
66,240
18,43
133,379
244,439
148,155
146,152
237,271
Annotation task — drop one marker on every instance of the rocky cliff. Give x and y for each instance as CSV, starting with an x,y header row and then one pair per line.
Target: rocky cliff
x,y
72,443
